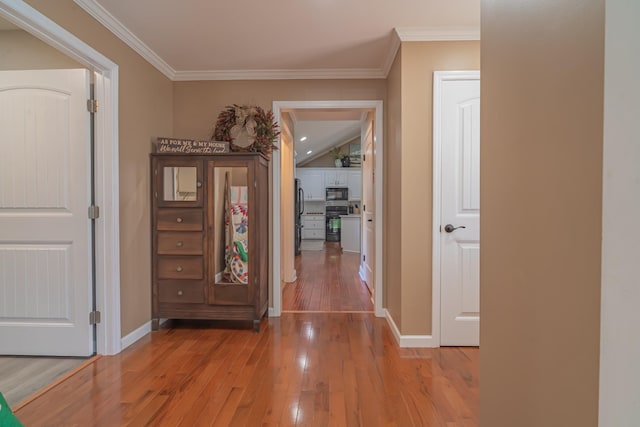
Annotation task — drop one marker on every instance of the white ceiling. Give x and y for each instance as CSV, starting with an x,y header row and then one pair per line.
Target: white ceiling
x,y
246,39
322,135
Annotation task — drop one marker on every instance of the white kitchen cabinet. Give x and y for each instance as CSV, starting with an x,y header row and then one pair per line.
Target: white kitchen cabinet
x,y
313,227
350,233
335,177
312,183
354,182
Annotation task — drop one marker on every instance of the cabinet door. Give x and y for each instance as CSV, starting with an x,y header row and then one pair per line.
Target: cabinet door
x,y
312,183
354,182
178,182
335,178
231,214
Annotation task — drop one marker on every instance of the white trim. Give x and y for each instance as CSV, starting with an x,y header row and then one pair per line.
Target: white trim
x,y
421,34
409,341
134,336
123,33
438,78
317,74
392,52
107,197
278,107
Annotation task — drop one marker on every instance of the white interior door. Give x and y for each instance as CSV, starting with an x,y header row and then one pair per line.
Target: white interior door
x,y
460,210
45,239
368,205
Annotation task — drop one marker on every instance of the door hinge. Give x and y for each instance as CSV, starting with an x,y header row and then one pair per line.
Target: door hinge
x,y
364,258
94,317
94,212
92,105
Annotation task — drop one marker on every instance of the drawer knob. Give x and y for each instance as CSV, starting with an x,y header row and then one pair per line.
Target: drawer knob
x,y
178,219
179,269
198,184
179,293
179,244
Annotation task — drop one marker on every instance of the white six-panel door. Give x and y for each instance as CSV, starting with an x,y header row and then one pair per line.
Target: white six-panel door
x,y
460,208
45,263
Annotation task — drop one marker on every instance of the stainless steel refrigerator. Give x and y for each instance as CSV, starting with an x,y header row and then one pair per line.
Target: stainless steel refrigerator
x,y
298,211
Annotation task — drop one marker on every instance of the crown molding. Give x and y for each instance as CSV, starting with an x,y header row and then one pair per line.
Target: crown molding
x,y
416,34
343,73
123,33
407,34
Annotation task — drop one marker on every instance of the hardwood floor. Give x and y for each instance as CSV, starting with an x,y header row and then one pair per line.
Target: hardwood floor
x,y
315,369
328,280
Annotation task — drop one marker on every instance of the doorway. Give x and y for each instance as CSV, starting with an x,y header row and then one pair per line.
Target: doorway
x,y
280,185
106,162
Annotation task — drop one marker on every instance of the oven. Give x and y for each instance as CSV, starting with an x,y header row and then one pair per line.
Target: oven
x,y
336,193
333,222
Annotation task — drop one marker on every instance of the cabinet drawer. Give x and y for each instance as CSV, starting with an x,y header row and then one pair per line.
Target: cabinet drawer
x,y
180,219
312,233
313,218
314,224
186,267
181,291
180,243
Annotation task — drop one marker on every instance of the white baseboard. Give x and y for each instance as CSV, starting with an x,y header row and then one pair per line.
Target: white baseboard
x,y
409,341
272,312
134,336
361,273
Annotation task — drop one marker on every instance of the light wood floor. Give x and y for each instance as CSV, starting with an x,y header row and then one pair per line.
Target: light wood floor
x,y
315,369
328,280
20,376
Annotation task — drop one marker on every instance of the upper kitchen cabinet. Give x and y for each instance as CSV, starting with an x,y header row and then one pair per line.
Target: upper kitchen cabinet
x,y
312,183
335,178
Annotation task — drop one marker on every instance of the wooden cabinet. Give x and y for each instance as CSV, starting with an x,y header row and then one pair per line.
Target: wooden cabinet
x,y
354,182
210,248
312,183
313,227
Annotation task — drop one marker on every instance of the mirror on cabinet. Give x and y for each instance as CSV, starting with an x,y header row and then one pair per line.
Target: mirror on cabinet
x,y
231,207
180,183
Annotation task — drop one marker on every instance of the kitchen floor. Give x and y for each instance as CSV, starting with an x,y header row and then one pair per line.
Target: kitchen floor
x,y
328,281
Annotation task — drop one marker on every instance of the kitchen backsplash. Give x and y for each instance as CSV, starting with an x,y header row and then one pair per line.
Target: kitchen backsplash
x,y
319,207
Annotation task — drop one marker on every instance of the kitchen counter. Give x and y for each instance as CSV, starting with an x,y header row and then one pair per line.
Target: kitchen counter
x,y
350,233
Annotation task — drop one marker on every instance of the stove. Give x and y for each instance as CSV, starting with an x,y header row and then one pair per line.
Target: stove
x,y
333,221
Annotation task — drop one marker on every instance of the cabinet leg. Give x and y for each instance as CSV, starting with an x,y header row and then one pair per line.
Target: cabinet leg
x,y
256,326
155,324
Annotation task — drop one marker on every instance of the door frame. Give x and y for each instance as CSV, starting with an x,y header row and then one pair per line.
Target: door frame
x,y
107,244
439,77
275,308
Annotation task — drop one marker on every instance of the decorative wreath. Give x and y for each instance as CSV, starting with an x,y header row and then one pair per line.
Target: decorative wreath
x,y
247,128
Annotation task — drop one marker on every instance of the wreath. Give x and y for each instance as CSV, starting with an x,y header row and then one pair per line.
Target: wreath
x,y
247,128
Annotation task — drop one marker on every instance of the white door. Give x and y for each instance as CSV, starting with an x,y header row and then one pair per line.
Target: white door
x,y
368,205
460,209
45,248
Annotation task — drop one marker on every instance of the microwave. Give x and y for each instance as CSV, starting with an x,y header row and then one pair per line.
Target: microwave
x,y
337,193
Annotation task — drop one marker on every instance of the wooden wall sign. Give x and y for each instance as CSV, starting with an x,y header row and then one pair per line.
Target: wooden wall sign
x,y
190,146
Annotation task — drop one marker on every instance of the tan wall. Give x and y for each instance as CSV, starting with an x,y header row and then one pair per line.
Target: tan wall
x,y
392,250
19,50
287,199
419,61
145,111
541,197
197,104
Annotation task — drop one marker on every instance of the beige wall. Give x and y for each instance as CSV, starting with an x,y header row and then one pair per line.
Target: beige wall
x,y
541,197
287,237
145,111
197,104
19,50
392,251
411,146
